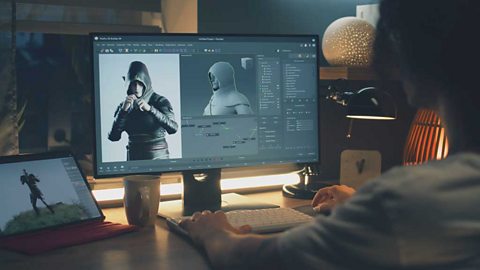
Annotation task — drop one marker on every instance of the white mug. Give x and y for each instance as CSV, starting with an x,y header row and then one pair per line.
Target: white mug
x,y
141,199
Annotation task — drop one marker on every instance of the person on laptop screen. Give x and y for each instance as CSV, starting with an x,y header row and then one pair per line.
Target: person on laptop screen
x,y
40,191
35,193
423,217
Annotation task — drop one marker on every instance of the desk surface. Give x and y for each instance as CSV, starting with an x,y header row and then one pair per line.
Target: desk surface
x,y
153,247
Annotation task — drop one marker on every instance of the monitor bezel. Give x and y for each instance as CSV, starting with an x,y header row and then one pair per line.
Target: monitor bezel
x,y
96,175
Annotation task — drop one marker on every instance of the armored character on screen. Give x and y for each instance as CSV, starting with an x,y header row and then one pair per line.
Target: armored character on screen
x,y
35,193
226,99
145,116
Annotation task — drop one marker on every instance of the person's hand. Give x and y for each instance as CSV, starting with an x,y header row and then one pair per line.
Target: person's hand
x,y
144,106
129,102
327,198
206,225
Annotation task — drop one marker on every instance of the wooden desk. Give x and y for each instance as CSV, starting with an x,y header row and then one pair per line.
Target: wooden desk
x,y
150,248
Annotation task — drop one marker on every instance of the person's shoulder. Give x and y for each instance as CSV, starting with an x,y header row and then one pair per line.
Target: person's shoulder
x,y
454,167
159,99
428,178
424,196
236,98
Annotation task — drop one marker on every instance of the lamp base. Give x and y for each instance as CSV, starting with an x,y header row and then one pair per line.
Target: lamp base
x,y
299,191
309,184
302,191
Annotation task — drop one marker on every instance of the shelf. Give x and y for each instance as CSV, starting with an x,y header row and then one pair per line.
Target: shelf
x,y
348,73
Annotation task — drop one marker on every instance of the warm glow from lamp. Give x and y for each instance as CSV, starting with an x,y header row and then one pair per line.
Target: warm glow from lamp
x,y
368,117
262,181
427,139
226,185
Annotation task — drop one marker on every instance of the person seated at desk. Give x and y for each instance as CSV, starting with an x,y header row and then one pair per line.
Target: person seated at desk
x,y
423,217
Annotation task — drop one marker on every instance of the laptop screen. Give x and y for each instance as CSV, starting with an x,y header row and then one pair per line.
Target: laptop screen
x,y
41,193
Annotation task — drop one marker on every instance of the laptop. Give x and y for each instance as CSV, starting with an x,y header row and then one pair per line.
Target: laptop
x,y
44,194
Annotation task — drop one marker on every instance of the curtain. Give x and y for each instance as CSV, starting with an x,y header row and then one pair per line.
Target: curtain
x,y
9,118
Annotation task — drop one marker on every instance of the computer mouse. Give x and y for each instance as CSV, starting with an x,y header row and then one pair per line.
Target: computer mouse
x,y
319,211
309,210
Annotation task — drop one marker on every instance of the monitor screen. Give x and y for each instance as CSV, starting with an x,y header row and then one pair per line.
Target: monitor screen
x,y
166,102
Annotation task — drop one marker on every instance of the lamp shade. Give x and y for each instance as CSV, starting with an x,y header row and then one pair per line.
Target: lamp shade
x,y
348,41
371,103
427,139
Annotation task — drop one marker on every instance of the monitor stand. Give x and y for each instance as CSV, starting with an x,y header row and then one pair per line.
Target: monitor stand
x,y
201,191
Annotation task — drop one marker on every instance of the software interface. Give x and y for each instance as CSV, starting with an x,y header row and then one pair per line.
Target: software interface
x,y
170,103
43,193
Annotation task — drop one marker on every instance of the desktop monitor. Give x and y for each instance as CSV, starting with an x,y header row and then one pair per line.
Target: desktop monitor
x,y
196,103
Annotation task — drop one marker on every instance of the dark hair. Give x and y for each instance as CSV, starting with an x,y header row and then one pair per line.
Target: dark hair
x,y
434,45
430,40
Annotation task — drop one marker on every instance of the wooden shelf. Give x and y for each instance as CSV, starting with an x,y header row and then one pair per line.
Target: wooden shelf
x,y
348,73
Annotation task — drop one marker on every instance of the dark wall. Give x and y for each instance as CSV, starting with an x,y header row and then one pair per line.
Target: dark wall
x,y
53,81
387,137
313,17
273,16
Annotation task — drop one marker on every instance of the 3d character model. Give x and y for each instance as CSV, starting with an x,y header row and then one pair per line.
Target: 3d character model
x,y
226,99
145,116
35,193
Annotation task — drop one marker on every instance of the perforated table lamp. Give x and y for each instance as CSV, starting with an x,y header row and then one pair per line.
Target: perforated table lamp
x,y
367,103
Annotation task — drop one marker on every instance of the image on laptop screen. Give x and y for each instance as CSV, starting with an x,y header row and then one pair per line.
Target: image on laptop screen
x,y
37,194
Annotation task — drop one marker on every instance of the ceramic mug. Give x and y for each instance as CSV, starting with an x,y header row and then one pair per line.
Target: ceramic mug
x,y
141,199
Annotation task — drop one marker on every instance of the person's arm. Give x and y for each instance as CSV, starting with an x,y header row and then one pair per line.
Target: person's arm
x,y
228,247
118,125
235,251
243,109
357,235
163,112
242,105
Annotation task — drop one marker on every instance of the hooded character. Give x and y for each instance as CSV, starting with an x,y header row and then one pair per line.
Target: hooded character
x,y
35,193
146,128
226,100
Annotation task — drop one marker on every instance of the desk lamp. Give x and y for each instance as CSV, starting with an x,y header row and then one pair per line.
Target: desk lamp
x,y
427,139
368,103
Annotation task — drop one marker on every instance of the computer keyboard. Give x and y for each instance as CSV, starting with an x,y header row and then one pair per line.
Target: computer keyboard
x,y
267,220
